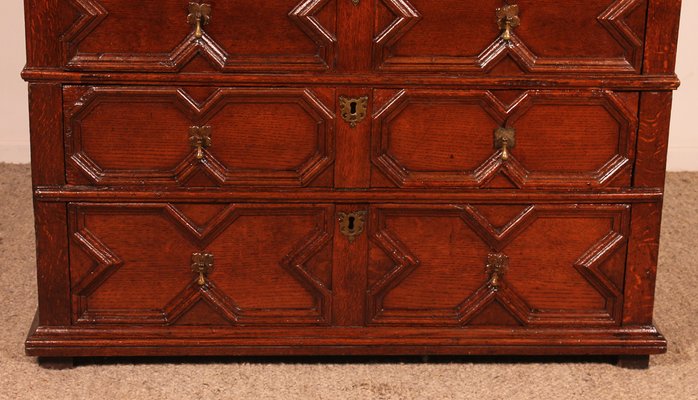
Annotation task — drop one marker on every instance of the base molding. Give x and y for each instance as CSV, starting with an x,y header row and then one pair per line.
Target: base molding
x,y
74,341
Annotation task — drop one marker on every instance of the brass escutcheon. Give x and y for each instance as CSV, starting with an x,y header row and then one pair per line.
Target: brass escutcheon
x,y
497,265
508,19
353,110
200,138
202,264
351,225
199,15
505,139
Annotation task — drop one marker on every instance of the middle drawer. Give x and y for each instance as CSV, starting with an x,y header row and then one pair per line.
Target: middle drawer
x,y
199,137
285,137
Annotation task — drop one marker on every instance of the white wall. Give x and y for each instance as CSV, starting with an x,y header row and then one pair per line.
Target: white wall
x,y
683,140
14,114
14,136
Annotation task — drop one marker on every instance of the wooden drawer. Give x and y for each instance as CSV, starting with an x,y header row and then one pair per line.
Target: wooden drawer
x,y
428,265
555,139
161,36
546,36
480,265
134,264
387,177
193,137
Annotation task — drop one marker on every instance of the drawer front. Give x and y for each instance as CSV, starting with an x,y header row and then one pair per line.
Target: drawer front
x,y
480,265
503,139
176,35
201,264
193,137
540,36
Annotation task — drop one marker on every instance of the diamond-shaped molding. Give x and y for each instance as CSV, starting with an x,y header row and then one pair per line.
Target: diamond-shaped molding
x,y
587,265
179,99
504,115
405,263
92,13
612,19
106,263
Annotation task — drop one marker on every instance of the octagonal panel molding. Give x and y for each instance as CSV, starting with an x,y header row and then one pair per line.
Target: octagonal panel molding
x,y
138,169
475,147
407,17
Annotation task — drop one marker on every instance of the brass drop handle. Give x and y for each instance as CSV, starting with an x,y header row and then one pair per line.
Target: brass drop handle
x,y
202,264
200,139
505,140
199,15
505,150
497,265
508,19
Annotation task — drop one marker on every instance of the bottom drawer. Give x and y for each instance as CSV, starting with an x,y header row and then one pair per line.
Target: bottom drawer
x,y
480,265
467,265
201,264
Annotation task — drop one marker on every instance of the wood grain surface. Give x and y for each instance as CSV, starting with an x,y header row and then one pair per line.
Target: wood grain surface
x,y
569,214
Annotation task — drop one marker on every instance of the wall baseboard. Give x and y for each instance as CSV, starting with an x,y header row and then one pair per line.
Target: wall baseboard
x,y
15,153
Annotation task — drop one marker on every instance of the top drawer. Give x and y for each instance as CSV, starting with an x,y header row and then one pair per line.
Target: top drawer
x,y
172,35
509,36
494,37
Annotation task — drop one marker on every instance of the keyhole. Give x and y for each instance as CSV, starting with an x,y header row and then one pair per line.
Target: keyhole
x,y
352,108
351,223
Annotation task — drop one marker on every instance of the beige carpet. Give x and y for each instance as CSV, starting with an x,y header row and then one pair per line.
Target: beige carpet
x,y
671,376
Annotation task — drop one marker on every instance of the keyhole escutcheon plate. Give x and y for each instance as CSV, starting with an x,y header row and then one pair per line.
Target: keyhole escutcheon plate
x,y
353,110
351,224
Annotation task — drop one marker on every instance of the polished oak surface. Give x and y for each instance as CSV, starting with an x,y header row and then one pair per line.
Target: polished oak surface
x,y
337,177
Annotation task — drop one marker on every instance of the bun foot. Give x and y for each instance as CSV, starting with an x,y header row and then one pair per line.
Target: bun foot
x,y
57,362
634,362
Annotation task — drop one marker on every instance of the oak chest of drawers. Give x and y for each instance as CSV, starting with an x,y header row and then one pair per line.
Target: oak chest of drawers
x,y
290,177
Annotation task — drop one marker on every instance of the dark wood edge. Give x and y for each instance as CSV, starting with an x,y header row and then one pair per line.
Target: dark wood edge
x,y
634,361
652,139
33,327
46,133
59,349
57,342
42,28
47,194
76,341
617,82
52,261
641,263
661,36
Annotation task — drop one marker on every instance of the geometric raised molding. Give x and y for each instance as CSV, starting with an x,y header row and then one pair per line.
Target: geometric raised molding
x,y
309,153
508,288
212,44
183,291
609,26
478,161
